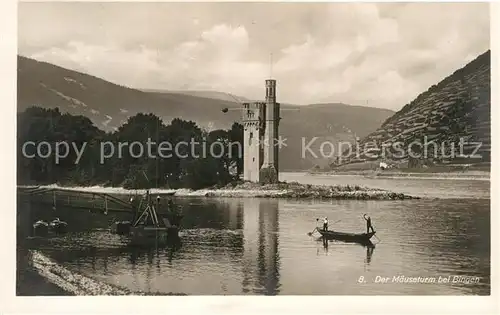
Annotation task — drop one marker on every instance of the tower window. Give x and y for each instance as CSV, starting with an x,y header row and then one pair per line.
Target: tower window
x,y
250,138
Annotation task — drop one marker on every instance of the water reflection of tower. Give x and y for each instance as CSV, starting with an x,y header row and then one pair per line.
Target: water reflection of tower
x,y
261,256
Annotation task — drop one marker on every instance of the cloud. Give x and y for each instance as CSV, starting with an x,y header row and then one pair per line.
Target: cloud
x,y
323,69
382,55
109,62
213,61
386,61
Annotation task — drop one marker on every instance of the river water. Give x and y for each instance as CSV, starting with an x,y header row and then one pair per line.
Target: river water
x,y
260,246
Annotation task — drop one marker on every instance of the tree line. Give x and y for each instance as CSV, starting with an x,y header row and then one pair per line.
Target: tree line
x,y
194,168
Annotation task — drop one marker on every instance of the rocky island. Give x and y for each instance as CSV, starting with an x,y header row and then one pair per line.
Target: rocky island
x,y
245,189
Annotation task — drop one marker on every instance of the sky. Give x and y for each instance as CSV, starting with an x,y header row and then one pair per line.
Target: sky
x,y
371,54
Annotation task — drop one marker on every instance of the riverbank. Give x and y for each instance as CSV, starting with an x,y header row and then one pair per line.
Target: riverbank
x,y
30,283
398,169
465,175
40,275
293,190
304,191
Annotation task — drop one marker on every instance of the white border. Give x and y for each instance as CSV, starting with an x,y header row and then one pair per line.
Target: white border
x,y
9,303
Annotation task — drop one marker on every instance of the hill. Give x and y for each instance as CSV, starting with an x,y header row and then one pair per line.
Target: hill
x,y
109,105
205,94
456,109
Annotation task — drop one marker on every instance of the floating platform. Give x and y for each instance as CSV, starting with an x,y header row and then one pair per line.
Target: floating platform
x,y
149,230
153,236
121,227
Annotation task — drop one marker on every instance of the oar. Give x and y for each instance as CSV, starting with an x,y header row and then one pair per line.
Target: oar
x,y
311,233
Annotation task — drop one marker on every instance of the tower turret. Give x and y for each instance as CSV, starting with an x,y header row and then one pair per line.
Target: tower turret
x,y
269,169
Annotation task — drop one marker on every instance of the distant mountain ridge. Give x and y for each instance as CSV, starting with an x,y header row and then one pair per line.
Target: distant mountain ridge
x,y
109,105
205,94
458,107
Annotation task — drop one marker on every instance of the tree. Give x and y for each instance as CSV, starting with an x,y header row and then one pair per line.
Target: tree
x,y
237,149
185,163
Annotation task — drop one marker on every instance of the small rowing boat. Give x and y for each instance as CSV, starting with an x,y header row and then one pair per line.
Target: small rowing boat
x,y
347,237
57,226
40,228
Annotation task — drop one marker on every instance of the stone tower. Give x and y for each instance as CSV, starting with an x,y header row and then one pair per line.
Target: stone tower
x,y
269,168
253,131
261,125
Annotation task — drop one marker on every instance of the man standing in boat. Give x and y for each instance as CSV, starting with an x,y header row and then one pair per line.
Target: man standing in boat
x,y
325,224
368,223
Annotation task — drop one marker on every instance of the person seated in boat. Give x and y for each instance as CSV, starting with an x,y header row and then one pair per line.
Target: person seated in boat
x,y
368,223
325,224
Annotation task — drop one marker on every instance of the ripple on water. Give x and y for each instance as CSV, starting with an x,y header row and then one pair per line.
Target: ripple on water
x,y
254,246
